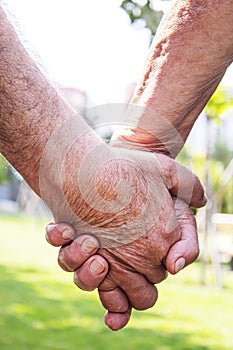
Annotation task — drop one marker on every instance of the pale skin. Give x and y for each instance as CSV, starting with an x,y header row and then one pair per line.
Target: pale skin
x,y
31,113
188,58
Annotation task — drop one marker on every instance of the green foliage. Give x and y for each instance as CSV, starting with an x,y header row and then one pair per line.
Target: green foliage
x,y
220,101
219,156
222,153
227,199
216,166
4,170
42,309
143,10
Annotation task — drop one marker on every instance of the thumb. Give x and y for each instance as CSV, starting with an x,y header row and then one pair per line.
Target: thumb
x,y
186,250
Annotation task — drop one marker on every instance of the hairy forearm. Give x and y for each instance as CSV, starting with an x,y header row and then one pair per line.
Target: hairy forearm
x,y
189,55
30,107
56,152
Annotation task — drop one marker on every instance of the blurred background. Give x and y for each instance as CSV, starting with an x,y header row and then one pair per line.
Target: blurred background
x,y
94,52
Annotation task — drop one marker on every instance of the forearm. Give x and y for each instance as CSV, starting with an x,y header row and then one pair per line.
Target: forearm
x,y
57,153
189,55
30,107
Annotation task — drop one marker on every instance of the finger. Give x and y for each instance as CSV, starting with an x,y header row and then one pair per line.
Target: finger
x,y
116,321
91,273
185,251
181,181
73,255
141,293
59,234
114,300
157,274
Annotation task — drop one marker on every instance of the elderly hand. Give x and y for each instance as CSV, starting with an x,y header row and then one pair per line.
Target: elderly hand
x,y
136,260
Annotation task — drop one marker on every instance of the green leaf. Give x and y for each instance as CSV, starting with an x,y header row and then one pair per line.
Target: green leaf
x,y
220,101
144,12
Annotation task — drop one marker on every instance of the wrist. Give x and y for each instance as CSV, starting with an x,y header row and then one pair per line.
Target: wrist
x,y
142,140
68,172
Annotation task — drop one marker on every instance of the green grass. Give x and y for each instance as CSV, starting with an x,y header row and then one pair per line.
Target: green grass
x,y
42,310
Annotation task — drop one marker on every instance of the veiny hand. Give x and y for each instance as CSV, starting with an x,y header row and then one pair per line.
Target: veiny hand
x,y
139,255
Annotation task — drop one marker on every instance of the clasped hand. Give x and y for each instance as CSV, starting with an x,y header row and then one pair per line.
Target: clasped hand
x,y
127,201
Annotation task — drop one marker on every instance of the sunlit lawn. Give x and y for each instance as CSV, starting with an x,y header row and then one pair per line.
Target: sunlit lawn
x,y
41,309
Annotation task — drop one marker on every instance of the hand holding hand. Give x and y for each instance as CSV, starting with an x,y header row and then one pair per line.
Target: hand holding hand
x,y
133,254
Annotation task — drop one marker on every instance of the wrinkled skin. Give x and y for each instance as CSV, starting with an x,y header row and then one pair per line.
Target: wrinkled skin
x,y
114,300
135,266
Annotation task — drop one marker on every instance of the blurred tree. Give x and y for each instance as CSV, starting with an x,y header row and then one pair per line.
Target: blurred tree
x,y
143,10
220,101
211,164
215,168
4,170
221,152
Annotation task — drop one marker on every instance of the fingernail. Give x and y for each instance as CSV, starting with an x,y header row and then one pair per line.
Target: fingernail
x,y
179,264
89,246
97,267
67,233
